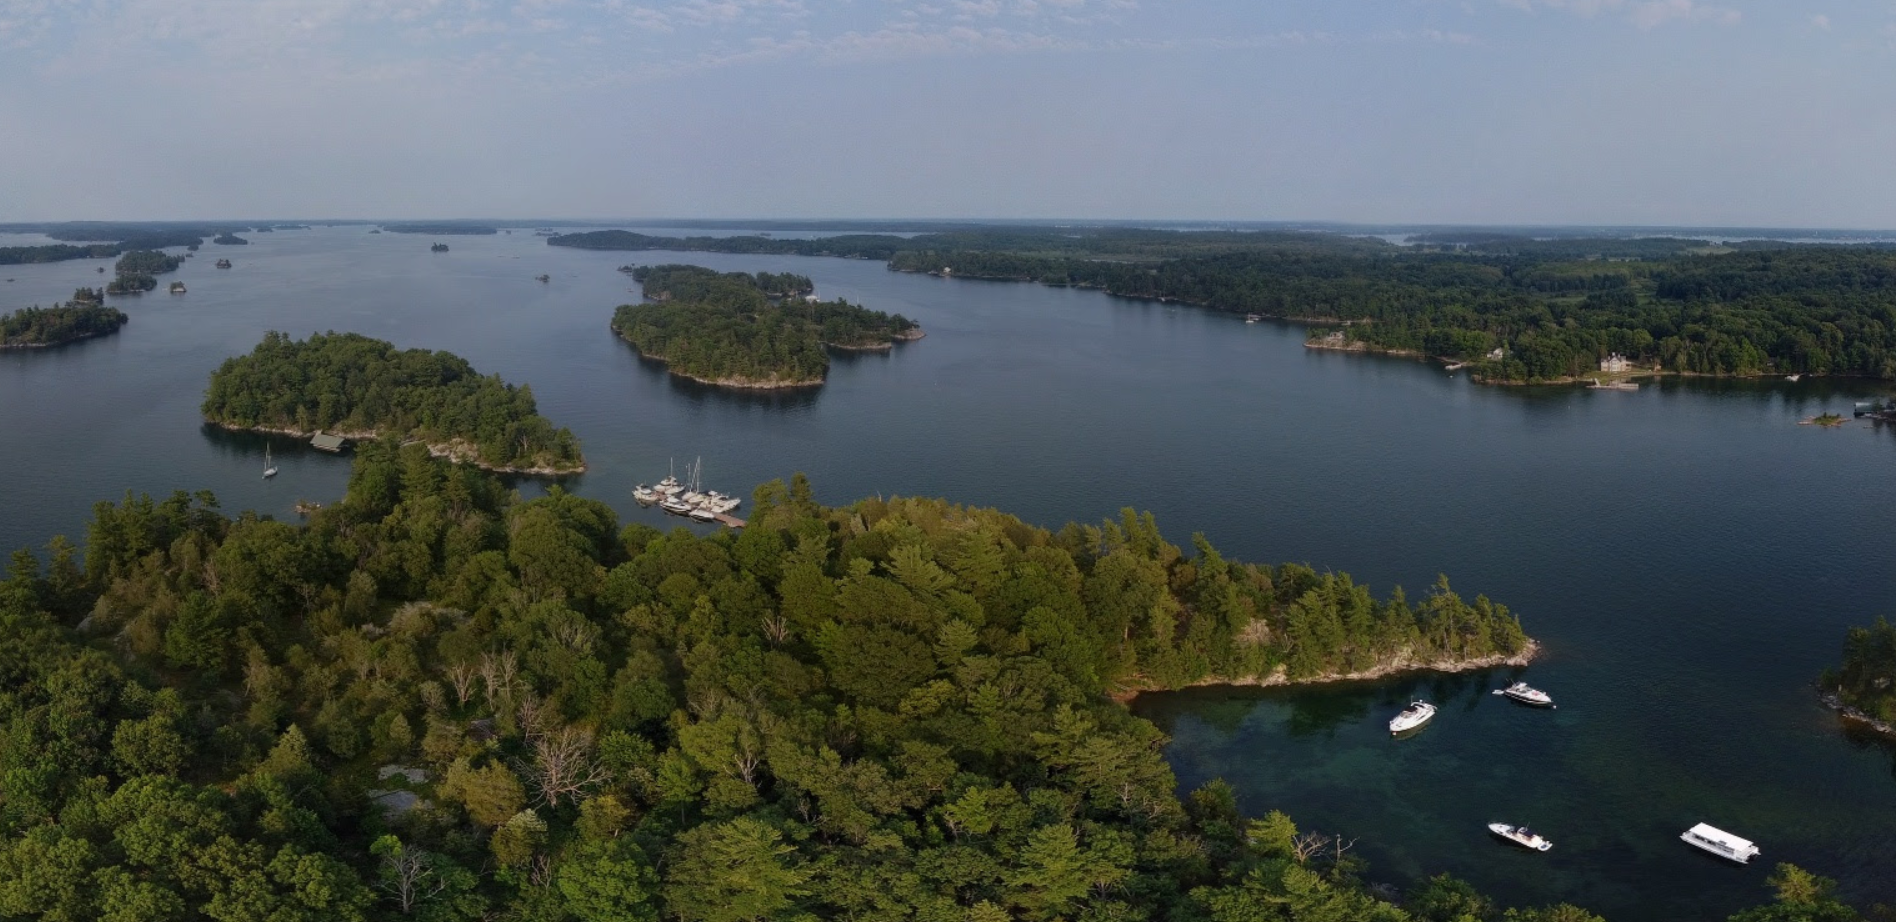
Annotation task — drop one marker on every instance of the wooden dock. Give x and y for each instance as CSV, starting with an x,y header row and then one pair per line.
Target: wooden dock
x,y
730,520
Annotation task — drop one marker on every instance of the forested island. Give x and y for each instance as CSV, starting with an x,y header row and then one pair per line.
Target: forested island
x,y
57,252
130,284
436,700
36,327
1516,309
1864,686
230,240
350,385
735,329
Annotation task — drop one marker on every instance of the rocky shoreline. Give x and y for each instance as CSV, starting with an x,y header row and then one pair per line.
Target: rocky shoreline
x,y
457,451
1854,715
747,384
1399,665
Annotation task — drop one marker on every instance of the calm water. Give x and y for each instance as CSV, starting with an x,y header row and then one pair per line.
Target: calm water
x,y
1687,553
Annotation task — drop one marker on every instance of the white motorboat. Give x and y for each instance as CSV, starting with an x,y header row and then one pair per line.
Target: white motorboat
x,y
644,495
703,515
674,505
269,467
1526,694
1721,843
668,486
1521,835
1413,716
718,502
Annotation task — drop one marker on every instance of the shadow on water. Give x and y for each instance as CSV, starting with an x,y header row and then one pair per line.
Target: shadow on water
x,y
237,444
1864,739
787,398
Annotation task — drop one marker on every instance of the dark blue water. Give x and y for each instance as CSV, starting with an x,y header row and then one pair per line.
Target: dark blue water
x,y
1689,555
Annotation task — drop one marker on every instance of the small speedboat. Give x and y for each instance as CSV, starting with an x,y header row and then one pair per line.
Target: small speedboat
x,y
1526,694
1521,835
1413,716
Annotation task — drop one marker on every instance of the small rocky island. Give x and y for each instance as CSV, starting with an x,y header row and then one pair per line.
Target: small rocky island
x,y
438,248
360,388
739,330
81,318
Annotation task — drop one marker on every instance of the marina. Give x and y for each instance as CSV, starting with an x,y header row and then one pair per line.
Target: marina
x,y
688,498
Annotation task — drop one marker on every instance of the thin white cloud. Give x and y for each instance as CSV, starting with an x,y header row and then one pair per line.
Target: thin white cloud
x,y
1821,21
1645,14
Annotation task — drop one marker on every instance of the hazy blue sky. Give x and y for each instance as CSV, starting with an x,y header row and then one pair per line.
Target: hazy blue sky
x,y
1519,111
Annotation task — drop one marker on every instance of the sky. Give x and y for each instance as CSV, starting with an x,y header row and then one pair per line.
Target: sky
x,y
1622,112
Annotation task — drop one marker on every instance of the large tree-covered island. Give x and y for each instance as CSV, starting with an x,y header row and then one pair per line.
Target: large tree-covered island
x,y
348,384
81,318
735,329
436,700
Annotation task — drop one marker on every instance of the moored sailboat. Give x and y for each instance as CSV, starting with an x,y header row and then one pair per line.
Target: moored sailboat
x,y
269,467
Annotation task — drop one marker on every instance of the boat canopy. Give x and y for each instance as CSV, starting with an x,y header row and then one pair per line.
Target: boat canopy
x,y
1721,837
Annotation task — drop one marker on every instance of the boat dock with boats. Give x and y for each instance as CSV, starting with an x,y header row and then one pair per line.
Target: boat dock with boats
x,y
689,498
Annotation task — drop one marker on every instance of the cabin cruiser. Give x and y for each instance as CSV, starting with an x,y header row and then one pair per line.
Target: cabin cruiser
x,y
1721,843
703,515
1521,835
718,502
674,505
644,495
668,486
1413,716
1526,694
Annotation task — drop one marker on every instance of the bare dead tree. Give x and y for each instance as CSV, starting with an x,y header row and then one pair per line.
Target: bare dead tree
x,y
563,767
777,628
540,870
1306,845
409,877
531,713
1341,847
499,672
577,636
461,676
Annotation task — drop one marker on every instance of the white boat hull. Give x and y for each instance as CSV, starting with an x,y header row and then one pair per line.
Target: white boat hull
x,y
1520,836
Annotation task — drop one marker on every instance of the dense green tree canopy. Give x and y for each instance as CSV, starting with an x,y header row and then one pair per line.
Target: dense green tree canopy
x,y
351,384
35,326
744,330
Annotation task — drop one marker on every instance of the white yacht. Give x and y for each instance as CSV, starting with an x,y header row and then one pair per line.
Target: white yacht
x,y
1521,835
718,502
1526,694
1721,843
644,495
703,515
668,486
1413,716
674,505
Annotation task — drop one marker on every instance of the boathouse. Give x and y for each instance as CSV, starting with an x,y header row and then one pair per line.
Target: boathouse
x,y
326,442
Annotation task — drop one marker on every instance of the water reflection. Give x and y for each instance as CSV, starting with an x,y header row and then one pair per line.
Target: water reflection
x,y
699,393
